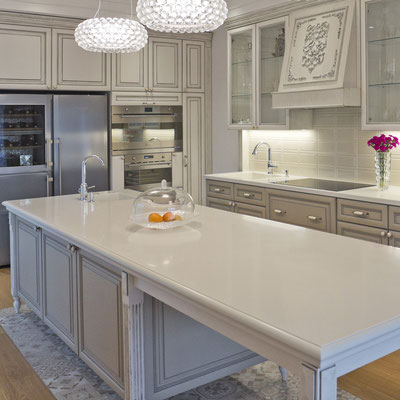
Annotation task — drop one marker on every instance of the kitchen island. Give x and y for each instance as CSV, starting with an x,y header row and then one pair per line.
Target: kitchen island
x,y
317,304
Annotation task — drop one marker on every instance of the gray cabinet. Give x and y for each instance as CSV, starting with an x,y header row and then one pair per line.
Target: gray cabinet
x,y
194,66
100,319
250,194
28,264
59,288
221,190
370,234
248,209
220,204
314,212
76,69
394,239
165,65
130,71
26,62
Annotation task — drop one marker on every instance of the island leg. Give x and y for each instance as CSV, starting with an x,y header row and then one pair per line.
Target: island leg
x,y
133,303
317,384
14,287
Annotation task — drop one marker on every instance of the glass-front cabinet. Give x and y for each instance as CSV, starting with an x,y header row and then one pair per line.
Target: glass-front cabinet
x,y
241,59
381,64
255,55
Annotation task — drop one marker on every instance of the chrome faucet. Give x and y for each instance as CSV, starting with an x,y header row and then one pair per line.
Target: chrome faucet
x,y
270,165
83,190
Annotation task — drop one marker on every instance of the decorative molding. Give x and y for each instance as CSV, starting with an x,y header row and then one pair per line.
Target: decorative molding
x,y
267,13
14,275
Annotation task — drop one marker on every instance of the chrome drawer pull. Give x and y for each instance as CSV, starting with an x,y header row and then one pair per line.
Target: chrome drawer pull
x,y
360,213
218,190
248,195
312,218
279,212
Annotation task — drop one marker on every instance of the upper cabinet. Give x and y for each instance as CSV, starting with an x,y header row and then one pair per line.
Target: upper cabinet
x,y
193,66
76,69
242,77
381,64
26,61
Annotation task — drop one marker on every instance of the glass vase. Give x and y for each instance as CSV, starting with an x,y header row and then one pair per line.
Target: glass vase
x,y
382,166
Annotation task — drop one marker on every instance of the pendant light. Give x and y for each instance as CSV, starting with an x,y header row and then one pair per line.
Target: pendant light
x,y
180,16
111,35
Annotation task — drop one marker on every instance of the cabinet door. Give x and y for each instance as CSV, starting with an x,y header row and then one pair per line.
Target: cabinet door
x,y
193,66
130,71
394,239
77,69
223,190
28,263
380,60
248,209
26,61
271,38
241,75
100,317
219,204
165,65
193,131
59,288
374,235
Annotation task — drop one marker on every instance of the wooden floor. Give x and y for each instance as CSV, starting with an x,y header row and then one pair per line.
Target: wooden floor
x,y
18,381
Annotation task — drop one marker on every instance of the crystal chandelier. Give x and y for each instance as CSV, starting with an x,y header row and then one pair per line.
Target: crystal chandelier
x,y
111,35
182,16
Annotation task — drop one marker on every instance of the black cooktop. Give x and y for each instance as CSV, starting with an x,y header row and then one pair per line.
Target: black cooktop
x,y
334,186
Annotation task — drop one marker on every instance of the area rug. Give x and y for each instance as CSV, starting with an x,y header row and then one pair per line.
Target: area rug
x,y
68,378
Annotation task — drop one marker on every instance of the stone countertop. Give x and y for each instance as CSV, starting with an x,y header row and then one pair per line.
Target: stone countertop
x,y
315,292
261,179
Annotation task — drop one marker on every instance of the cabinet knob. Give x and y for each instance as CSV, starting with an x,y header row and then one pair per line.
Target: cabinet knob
x,y
313,218
218,190
71,248
279,212
248,195
37,229
389,235
383,234
360,213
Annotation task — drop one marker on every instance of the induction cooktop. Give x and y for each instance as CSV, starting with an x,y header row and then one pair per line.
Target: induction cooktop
x,y
322,184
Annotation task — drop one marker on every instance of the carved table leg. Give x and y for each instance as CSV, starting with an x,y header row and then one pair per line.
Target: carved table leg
x,y
133,300
14,287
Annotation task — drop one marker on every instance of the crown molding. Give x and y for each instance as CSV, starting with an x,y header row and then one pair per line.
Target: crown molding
x,y
51,21
276,11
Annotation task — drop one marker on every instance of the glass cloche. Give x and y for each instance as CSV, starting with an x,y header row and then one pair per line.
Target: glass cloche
x,y
163,208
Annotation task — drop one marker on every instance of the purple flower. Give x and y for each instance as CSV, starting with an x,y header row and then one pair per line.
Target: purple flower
x,y
383,143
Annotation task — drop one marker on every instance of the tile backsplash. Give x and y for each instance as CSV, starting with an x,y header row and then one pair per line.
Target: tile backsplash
x,y
336,148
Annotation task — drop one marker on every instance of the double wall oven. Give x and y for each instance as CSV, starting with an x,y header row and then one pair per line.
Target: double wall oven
x,y
150,138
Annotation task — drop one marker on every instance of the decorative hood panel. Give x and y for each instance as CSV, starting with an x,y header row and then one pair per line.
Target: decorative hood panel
x,y
322,62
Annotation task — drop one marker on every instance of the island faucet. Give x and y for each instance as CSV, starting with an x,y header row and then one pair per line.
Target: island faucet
x,y
83,190
270,165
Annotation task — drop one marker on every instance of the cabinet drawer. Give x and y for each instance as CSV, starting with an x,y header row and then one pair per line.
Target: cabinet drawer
x,y
315,212
249,194
394,218
219,204
222,190
367,233
248,209
363,213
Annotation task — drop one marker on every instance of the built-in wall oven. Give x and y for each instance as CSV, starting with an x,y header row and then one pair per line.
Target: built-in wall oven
x,y
150,138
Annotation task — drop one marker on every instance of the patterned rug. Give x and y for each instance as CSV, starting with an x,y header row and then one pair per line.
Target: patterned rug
x,y
68,378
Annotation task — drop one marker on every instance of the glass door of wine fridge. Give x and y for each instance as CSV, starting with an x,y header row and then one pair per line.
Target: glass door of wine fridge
x,y
25,133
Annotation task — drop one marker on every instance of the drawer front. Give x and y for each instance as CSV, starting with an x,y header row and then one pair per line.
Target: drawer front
x,y
249,194
314,212
248,209
394,218
222,190
367,233
219,204
363,213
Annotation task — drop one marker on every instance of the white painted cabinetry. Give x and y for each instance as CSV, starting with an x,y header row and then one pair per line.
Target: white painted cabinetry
x,y
193,66
26,60
76,69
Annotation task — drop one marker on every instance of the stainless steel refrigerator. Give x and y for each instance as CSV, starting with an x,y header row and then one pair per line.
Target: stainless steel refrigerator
x,y
43,140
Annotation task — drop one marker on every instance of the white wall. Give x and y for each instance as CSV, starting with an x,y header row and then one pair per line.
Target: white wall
x,y
225,142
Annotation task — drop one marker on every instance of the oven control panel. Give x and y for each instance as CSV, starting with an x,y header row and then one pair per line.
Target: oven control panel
x,y
145,159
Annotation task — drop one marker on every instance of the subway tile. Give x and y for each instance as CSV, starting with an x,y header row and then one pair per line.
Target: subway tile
x,y
326,159
346,161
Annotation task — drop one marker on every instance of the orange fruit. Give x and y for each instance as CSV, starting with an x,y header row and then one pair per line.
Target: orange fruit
x,y
179,218
154,217
169,217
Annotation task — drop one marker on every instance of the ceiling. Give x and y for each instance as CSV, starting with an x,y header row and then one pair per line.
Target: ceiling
x,y
120,8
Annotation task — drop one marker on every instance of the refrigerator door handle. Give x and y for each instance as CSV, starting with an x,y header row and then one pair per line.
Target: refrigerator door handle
x,y
50,180
58,143
49,161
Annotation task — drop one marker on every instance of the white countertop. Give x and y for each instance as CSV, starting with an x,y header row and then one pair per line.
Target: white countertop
x,y
322,292
370,194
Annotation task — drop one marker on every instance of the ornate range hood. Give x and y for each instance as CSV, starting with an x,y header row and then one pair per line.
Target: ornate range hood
x,y
322,61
